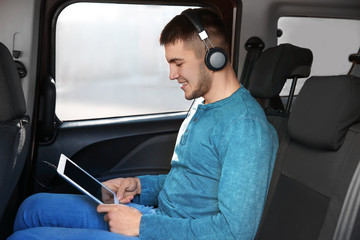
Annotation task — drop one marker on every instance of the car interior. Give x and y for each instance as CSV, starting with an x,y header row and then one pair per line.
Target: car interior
x,y
86,79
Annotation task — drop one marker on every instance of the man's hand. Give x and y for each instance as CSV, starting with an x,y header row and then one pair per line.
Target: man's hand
x,y
125,188
122,219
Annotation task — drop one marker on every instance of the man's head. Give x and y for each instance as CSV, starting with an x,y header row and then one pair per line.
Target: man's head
x,y
180,28
185,52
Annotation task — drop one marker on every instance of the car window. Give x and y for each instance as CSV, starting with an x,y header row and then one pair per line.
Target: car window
x,y
330,40
109,62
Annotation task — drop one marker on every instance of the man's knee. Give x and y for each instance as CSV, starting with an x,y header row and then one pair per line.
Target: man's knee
x,y
21,235
33,202
29,209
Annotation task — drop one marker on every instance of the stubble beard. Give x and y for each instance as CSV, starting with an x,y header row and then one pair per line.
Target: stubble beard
x,y
203,84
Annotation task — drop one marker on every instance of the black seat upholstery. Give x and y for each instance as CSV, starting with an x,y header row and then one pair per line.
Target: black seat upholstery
x,y
13,127
274,66
318,159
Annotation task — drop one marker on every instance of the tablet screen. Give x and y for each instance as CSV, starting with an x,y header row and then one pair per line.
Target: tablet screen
x,y
87,182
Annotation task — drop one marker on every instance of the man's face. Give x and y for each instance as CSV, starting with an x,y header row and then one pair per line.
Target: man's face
x,y
188,70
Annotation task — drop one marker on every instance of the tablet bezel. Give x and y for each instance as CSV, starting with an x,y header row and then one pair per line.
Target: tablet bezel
x,y
60,169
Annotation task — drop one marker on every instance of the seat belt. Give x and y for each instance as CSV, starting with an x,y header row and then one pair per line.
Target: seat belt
x,y
254,47
350,208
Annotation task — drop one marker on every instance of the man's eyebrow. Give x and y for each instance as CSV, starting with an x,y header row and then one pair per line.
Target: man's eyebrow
x,y
172,60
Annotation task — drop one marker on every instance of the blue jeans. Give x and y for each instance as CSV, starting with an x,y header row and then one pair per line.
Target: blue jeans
x,y
64,216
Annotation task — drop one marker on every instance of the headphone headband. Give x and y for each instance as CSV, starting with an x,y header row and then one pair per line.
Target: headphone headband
x,y
194,19
215,58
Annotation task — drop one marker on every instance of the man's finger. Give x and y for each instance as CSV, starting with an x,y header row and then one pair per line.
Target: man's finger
x,y
121,191
104,208
106,218
124,201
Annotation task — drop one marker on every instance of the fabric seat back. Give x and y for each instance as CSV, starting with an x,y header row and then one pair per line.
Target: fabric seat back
x,y
318,162
14,127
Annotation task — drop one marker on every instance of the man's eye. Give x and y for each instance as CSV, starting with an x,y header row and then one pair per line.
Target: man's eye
x,y
179,64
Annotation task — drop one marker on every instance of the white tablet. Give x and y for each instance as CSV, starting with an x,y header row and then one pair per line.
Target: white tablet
x,y
86,183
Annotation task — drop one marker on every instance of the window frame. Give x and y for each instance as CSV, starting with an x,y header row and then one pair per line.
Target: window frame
x,y
230,10
288,83
154,103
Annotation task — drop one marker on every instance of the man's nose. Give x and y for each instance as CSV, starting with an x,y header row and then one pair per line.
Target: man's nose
x,y
174,74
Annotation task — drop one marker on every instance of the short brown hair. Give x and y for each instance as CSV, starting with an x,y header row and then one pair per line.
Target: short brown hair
x,y
180,28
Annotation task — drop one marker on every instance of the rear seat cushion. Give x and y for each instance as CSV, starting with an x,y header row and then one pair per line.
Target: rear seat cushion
x,y
323,122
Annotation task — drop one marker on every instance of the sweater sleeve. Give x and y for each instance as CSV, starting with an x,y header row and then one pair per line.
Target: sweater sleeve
x,y
247,151
151,185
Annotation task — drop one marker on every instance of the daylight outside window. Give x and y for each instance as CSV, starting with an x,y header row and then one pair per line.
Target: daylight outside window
x,y
109,62
330,40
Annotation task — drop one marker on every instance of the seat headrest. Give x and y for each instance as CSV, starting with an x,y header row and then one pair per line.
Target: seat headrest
x,y
324,110
355,60
12,100
277,64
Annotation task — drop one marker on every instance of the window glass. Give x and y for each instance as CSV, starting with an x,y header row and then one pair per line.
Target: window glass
x,y
330,40
109,62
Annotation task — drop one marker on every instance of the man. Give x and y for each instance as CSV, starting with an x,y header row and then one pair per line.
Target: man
x,y
220,170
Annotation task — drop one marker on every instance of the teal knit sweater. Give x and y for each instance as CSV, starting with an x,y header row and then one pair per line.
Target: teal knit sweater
x,y
219,177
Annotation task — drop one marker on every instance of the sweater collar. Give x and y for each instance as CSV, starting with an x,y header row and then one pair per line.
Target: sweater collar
x,y
221,102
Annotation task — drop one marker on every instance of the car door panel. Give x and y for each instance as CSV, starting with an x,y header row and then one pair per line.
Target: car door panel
x,y
109,148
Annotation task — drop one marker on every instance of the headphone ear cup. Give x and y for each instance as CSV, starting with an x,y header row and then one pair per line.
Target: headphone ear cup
x,y
216,59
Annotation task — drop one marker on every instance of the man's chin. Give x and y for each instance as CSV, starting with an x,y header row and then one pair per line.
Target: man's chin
x,y
192,95
189,97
